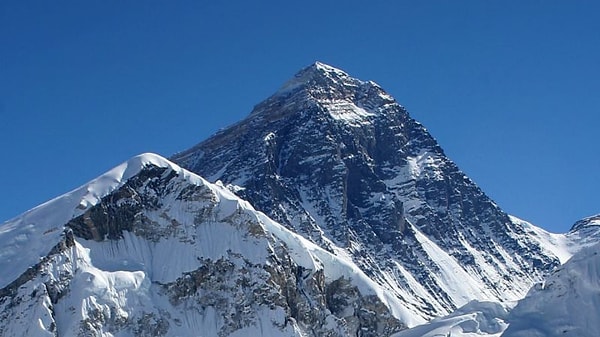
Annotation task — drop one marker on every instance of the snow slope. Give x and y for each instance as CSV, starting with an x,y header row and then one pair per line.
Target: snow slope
x,y
566,304
30,236
151,249
475,319
583,234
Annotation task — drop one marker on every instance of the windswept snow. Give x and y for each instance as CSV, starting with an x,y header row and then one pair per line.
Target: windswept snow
x,y
563,246
474,319
27,238
566,304
454,279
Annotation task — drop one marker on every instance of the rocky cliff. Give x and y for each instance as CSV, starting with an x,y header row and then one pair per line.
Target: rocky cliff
x,y
339,161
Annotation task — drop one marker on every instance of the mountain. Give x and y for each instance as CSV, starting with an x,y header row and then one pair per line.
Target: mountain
x,y
328,211
567,303
150,249
583,234
340,162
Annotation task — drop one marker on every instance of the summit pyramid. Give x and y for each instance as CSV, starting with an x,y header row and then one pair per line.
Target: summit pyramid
x,y
339,161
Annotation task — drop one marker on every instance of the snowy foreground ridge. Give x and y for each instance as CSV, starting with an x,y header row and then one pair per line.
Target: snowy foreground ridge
x,y
168,273
32,235
328,211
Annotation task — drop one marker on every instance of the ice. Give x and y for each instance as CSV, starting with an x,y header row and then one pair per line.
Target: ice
x,y
474,319
563,246
566,304
30,236
455,281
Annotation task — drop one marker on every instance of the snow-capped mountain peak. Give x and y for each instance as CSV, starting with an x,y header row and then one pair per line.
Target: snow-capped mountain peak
x,y
318,74
338,160
327,68
356,223
329,93
589,222
31,236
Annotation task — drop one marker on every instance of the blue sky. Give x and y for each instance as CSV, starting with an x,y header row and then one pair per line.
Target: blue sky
x,y
509,89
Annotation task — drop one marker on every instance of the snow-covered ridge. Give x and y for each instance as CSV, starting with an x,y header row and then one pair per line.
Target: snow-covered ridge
x,y
187,229
584,233
559,245
591,221
566,304
329,69
474,319
318,72
28,237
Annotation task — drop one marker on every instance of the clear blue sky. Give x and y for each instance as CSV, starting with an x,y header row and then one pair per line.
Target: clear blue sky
x,y
509,89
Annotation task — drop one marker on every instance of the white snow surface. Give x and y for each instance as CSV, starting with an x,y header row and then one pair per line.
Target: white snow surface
x,y
455,280
27,238
316,69
346,111
474,319
566,304
562,245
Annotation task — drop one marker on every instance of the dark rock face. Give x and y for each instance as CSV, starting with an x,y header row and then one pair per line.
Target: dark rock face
x,y
308,300
122,210
339,161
